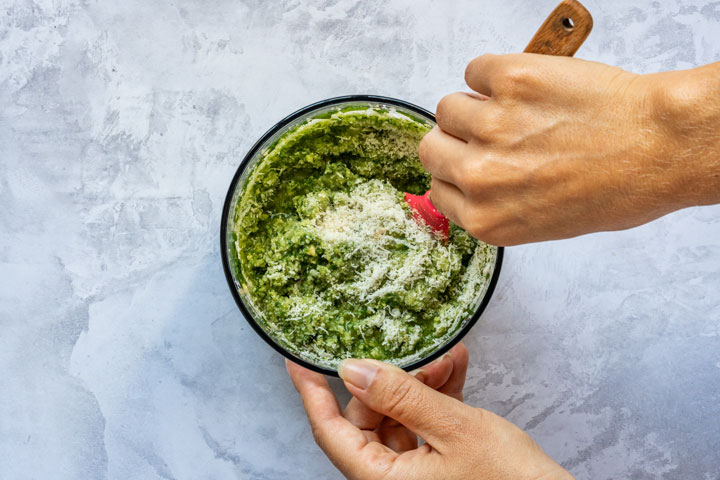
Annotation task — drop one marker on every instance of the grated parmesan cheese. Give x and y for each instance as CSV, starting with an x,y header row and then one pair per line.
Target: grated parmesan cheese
x,y
331,256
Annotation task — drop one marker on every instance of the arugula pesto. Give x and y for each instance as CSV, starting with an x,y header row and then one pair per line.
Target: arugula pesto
x,y
329,254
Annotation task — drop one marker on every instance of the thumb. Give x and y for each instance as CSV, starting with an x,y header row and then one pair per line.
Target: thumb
x,y
387,389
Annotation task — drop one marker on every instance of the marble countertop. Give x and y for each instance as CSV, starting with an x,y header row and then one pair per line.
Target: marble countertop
x,y
122,352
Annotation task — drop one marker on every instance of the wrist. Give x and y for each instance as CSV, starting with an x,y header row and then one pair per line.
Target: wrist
x,y
685,108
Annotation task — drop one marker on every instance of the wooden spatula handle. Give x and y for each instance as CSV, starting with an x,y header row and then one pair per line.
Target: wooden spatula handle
x,y
564,30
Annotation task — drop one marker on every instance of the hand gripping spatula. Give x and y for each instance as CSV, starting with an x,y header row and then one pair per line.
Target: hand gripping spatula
x,y
562,33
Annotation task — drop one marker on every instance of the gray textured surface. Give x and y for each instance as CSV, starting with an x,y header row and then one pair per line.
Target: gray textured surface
x,y
122,353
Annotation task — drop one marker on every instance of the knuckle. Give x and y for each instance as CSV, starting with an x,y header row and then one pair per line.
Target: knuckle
x,y
476,66
463,219
484,225
493,172
483,130
443,110
469,69
438,195
400,397
467,178
515,77
489,128
476,229
424,150
479,172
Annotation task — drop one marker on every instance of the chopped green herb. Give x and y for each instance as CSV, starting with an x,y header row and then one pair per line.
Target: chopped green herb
x,y
330,255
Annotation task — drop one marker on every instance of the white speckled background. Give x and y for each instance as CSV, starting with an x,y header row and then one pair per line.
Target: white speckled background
x,y
122,353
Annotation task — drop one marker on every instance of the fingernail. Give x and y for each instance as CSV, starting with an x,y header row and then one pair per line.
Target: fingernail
x,y
438,360
359,373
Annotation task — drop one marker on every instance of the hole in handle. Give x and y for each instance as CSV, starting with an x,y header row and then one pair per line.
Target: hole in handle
x,y
568,23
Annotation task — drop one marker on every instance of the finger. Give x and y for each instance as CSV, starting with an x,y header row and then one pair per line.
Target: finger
x,y
434,375
344,444
458,113
441,154
361,416
364,418
396,436
481,72
437,373
315,393
448,199
488,74
456,381
379,428
389,390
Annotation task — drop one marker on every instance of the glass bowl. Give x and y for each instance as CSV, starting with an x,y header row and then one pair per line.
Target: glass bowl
x,y
231,264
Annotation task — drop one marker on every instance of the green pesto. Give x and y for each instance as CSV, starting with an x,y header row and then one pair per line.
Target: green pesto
x,y
304,283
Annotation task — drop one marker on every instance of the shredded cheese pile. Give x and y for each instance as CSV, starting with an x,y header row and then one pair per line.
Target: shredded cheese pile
x,y
334,262
373,222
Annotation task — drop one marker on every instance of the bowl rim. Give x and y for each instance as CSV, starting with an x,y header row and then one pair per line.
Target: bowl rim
x,y
224,227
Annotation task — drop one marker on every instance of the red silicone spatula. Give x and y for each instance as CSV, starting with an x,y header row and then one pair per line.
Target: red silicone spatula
x,y
562,33
424,211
